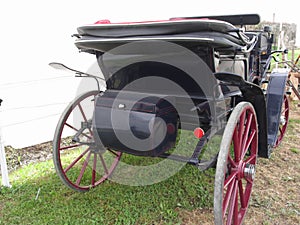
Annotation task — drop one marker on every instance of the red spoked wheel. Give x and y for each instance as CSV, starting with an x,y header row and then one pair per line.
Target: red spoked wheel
x,y
236,166
79,161
283,122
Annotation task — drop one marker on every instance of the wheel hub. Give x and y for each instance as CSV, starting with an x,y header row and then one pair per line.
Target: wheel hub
x,y
282,120
249,171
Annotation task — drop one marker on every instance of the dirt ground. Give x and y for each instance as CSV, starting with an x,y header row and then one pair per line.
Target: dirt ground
x,y
20,157
276,194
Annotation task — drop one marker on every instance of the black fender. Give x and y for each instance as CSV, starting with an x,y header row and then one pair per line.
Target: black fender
x,y
255,95
275,96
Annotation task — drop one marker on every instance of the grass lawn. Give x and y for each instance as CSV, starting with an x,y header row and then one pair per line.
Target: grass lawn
x,y
38,197
289,57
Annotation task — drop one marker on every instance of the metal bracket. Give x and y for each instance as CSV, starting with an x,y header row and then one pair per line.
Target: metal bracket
x,y
84,126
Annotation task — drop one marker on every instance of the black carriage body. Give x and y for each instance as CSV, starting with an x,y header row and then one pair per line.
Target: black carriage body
x,y
220,45
150,107
152,120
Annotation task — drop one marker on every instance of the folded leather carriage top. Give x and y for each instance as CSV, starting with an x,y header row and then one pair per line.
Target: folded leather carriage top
x,y
104,35
136,123
104,28
178,25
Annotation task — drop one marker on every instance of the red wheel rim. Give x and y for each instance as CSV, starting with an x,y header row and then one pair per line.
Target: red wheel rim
x,y
284,119
239,168
81,166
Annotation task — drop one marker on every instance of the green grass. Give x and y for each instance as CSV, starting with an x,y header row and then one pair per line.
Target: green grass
x,y
296,53
109,203
295,150
294,121
289,57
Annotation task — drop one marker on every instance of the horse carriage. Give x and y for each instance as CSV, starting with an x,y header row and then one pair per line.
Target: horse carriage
x,y
205,76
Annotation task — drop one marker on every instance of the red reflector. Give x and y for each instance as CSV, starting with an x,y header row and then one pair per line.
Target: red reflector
x,y
198,132
171,128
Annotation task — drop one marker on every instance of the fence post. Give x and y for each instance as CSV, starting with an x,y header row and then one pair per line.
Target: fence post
x,y
4,171
293,54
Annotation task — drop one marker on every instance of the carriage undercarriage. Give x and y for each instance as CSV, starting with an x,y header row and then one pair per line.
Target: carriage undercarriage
x,y
153,101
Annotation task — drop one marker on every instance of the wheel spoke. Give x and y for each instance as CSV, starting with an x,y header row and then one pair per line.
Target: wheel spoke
x,y
82,113
279,136
248,180
250,159
245,137
89,137
78,181
227,197
236,210
94,169
76,160
232,204
280,130
68,147
284,111
236,146
112,152
103,164
277,142
282,127
230,179
230,160
285,101
84,117
249,141
72,127
242,196
241,131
